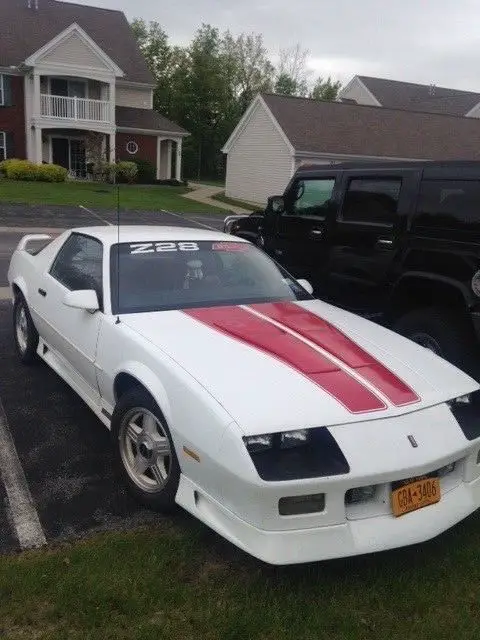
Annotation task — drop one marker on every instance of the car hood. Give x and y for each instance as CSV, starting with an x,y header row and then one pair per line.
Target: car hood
x,y
288,365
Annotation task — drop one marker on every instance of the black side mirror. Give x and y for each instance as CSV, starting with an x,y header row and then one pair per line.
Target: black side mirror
x,y
276,204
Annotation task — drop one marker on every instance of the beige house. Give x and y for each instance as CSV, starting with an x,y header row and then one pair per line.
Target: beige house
x,y
279,133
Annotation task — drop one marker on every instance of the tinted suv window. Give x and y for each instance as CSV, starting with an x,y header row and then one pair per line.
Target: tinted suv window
x,y
448,203
78,264
373,200
311,197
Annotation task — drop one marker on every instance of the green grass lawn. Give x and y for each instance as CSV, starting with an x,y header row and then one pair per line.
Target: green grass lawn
x,y
221,197
95,195
181,582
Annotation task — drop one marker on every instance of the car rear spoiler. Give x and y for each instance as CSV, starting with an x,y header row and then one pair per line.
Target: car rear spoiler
x,y
32,237
229,220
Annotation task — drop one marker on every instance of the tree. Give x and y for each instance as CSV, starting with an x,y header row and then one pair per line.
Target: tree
x,y
326,89
292,72
247,66
285,85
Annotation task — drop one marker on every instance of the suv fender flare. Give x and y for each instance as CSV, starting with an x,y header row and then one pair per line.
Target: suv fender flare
x,y
465,291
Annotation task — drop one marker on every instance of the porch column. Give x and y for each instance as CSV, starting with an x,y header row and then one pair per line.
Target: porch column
x,y
112,98
38,150
112,150
159,157
169,159
36,95
178,165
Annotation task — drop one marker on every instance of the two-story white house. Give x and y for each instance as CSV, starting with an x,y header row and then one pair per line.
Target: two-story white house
x,y
73,81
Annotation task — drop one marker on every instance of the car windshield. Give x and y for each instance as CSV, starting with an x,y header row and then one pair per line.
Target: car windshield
x,y
156,276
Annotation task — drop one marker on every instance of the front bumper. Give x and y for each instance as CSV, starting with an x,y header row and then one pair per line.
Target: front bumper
x,y
235,502
354,537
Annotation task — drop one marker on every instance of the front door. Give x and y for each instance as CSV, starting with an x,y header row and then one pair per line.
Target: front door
x,y
78,164
61,152
367,237
71,154
301,230
72,333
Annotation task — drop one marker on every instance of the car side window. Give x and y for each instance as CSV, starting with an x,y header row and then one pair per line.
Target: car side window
x,y
310,197
448,203
372,200
78,264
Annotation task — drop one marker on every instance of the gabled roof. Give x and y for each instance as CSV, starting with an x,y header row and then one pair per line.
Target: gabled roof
x,y
395,94
24,31
315,126
147,120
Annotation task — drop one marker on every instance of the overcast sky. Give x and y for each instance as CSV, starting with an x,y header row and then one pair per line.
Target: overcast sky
x,y
427,41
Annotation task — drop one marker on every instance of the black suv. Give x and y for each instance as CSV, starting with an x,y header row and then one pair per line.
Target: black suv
x,y
397,242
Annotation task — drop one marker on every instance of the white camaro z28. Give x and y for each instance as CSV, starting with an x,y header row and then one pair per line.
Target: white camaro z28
x,y
294,429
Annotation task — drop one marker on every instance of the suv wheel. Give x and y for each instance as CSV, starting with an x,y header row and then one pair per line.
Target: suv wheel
x,y
446,334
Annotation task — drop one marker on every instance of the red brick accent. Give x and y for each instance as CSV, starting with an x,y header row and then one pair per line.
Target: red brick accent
x,y
12,119
147,147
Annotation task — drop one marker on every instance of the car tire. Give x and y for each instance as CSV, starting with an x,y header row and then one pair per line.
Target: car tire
x,y
447,334
131,458
24,332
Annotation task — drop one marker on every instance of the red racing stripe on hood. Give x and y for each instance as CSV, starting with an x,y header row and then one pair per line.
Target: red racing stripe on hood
x,y
291,350
333,341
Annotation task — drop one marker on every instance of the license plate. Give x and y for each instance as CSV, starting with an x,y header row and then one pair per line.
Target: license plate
x,y
415,494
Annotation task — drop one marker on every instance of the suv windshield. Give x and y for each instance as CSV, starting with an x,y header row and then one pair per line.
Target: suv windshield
x,y
156,276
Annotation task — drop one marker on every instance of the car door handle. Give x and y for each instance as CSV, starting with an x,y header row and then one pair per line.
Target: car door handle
x,y
384,242
316,233
42,292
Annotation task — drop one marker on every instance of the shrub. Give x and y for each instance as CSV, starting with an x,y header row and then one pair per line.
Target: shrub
x,y
126,171
147,172
21,170
15,169
51,173
6,163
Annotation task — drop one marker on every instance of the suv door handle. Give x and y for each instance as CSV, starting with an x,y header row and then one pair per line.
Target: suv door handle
x,y
316,233
42,292
385,242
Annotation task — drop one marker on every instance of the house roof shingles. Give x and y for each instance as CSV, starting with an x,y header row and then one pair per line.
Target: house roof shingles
x,y
341,128
24,31
131,118
417,97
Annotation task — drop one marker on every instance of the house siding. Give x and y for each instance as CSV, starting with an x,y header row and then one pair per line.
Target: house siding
x,y
133,97
356,91
73,51
12,119
259,163
147,147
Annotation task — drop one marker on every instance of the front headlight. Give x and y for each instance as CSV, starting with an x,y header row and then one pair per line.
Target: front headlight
x,y
284,440
466,410
296,454
460,401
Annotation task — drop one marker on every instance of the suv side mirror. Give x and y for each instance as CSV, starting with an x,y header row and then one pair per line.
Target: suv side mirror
x,y
85,299
276,204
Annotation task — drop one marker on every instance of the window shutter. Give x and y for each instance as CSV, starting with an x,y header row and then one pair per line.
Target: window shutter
x,y
10,145
7,91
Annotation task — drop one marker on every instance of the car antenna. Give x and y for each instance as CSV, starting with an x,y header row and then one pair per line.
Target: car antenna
x,y
118,246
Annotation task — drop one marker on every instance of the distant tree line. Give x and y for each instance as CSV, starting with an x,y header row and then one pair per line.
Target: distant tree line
x,y
207,86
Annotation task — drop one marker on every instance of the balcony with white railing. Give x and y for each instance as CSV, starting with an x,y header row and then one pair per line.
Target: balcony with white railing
x,y
75,109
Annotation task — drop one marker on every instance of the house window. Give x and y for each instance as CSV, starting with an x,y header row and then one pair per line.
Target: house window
x,y
132,147
3,145
2,90
372,200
